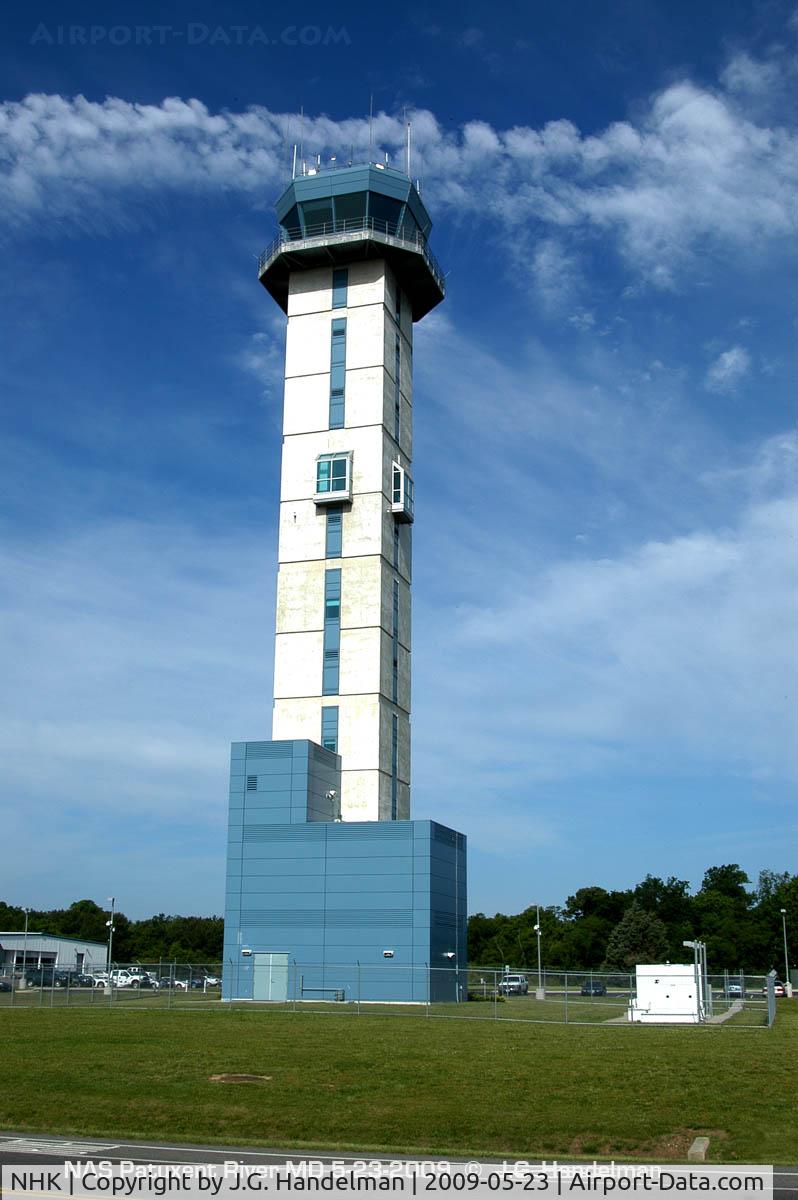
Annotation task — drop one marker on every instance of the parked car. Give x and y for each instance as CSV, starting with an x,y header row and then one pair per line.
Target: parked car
x,y
778,988
735,990
594,987
47,976
78,979
212,981
513,985
5,985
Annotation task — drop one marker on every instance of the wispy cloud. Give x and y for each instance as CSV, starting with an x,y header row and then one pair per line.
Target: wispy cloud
x,y
728,370
132,652
693,170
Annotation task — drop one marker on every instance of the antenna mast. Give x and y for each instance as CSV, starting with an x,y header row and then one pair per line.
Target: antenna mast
x,y
371,126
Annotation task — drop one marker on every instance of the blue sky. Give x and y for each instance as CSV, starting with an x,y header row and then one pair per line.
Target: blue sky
x,y
605,646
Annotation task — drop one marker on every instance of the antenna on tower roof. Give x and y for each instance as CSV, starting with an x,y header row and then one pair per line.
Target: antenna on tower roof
x,y
302,136
371,126
407,150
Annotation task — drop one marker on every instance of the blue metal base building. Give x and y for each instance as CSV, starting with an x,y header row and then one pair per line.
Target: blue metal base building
x,y
320,909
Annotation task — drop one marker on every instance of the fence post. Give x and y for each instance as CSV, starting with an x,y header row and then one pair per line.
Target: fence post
x,y
358,987
566,997
495,996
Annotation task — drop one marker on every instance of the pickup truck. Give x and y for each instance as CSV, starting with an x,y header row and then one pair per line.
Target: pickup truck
x,y
513,985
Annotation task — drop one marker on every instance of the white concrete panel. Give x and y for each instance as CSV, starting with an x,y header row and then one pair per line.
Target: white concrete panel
x,y
367,527
307,344
406,371
360,792
365,396
360,592
359,732
302,531
364,337
306,407
309,291
300,597
298,718
366,283
360,661
297,664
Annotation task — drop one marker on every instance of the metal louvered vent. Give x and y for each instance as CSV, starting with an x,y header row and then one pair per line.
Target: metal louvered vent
x,y
269,749
336,918
283,833
252,783
385,831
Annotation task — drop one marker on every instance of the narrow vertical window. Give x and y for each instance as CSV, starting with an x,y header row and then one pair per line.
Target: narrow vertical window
x,y
396,545
335,525
332,632
337,372
397,395
398,311
395,668
394,766
329,728
340,283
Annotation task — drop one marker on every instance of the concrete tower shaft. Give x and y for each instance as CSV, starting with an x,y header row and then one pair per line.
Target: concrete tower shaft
x,y
352,270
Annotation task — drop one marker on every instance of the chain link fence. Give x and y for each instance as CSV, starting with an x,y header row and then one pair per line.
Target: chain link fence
x,y
477,993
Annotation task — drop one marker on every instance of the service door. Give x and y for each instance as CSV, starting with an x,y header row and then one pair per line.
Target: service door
x,y
270,976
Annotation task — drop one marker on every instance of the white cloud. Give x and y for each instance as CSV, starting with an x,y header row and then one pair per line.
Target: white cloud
x,y
132,654
743,73
728,370
693,171
678,652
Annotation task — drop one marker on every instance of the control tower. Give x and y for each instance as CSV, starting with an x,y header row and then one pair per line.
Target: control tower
x,y
331,888
352,270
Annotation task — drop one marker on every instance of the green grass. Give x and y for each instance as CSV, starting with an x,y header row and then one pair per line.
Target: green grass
x,y
402,1083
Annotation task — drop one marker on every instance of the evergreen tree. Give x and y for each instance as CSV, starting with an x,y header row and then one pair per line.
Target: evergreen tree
x,y
639,937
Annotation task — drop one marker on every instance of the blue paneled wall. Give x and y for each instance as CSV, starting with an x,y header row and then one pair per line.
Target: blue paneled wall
x,y
321,909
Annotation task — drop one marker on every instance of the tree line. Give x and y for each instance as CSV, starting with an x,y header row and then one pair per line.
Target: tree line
x,y
155,939
595,928
741,925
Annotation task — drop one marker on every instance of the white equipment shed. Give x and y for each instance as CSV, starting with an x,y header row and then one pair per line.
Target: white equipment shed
x,y
668,994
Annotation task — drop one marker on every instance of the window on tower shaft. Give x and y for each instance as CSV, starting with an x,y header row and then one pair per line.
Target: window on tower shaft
x,y
337,373
334,531
395,655
329,728
340,284
332,632
397,393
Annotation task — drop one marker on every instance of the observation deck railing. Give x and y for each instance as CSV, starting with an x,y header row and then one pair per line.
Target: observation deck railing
x,y
398,233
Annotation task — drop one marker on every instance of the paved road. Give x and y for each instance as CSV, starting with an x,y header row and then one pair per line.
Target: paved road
x,y
18,1148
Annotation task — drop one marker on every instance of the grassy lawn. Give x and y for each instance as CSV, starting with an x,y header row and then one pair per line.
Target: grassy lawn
x,y
403,1083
